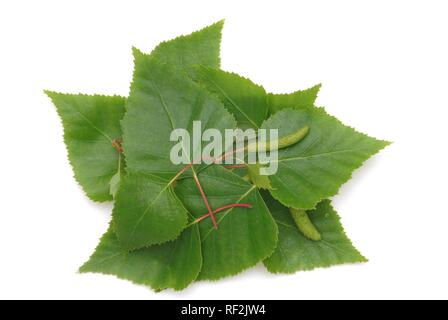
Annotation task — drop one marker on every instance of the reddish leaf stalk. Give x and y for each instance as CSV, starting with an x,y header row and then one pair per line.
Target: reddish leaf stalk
x,y
211,213
204,197
229,206
181,172
229,153
235,166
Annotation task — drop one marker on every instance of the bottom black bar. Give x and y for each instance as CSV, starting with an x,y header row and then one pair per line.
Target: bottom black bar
x,y
208,309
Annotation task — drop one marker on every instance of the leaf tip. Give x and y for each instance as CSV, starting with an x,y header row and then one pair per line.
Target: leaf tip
x,y
84,268
49,93
220,23
317,87
136,52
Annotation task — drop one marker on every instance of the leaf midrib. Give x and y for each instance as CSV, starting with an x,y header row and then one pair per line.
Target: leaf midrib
x,y
93,125
233,102
319,155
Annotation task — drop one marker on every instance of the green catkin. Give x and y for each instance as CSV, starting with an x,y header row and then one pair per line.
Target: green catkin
x,y
293,138
282,142
305,225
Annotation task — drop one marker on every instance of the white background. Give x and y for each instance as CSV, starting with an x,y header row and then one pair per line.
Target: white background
x,y
384,70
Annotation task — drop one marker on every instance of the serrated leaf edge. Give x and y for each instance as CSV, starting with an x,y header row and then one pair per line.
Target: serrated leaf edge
x,y
155,288
362,258
335,192
49,94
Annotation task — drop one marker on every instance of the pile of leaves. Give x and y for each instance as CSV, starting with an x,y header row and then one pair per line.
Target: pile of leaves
x,y
174,224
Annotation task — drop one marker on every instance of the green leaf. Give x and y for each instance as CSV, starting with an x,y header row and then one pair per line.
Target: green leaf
x,y
316,167
147,212
301,99
91,123
295,252
244,99
170,265
312,169
244,236
159,235
161,100
157,216
248,102
200,47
